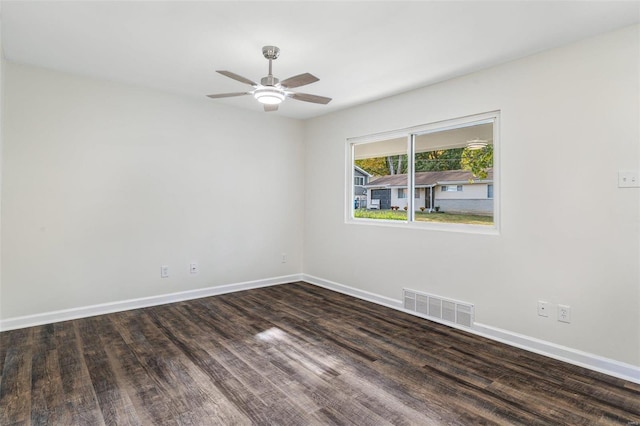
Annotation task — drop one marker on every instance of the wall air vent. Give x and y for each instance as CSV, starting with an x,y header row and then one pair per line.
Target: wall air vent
x,y
440,308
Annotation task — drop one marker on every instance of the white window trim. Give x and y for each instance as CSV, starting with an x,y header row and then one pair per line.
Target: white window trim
x,y
410,133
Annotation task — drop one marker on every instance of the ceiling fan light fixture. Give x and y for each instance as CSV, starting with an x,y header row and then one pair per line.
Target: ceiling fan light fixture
x,y
269,95
476,144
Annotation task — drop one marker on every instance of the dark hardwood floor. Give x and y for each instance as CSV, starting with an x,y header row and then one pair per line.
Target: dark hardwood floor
x,y
291,354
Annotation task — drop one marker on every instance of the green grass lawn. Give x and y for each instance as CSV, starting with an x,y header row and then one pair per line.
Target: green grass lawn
x,y
471,219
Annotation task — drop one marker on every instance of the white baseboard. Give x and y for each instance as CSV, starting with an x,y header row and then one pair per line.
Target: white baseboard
x,y
143,302
562,353
351,291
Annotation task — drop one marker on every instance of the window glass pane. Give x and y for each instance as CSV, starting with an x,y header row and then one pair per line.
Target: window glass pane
x,y
452,173
386,163
456,168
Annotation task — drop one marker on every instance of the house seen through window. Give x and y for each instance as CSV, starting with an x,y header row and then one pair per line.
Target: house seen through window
x,y
448,167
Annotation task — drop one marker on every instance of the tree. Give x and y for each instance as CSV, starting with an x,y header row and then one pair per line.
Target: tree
x,y
444,159
397,164
384,166
478,161
375,166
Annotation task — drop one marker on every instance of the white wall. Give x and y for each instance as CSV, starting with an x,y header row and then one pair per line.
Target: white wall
x,y
103,183
569,119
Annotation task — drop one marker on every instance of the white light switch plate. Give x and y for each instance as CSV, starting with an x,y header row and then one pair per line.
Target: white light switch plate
x,y
628,179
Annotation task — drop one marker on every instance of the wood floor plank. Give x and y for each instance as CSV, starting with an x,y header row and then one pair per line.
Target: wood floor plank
x,y
362,367
131,375
114,402
76,381
292,354
47,397
172,372
206,357
15,390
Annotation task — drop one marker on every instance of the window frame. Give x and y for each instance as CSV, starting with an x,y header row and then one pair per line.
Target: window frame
x,y
410,134
361,179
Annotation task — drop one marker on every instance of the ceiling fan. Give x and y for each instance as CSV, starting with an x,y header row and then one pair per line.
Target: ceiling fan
x,y
271,91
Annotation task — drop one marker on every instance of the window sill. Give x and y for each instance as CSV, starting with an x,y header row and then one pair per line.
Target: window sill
x,y
442,227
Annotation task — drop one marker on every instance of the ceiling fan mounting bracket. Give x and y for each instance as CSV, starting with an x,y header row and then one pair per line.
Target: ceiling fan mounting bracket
x,y
271,52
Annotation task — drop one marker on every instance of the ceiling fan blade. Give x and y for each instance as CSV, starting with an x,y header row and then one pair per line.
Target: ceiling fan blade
x,y
299,80
237,77
228,95
270,108
310,98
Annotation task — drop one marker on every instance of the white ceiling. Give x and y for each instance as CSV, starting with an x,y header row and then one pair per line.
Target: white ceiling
x,y
361,51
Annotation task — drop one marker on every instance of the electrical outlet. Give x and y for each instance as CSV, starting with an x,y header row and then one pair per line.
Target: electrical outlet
x,y
564,313
284,257
628,179
193,268
543,308
164,271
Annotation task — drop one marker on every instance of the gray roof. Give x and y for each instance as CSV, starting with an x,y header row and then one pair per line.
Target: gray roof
x,y
363,171
429,178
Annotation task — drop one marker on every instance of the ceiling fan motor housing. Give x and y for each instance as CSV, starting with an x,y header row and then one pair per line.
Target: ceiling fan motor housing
x,y
271,52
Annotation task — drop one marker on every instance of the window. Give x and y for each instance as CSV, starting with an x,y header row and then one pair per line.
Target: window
x,y
385,161
358,180
455,155
451,188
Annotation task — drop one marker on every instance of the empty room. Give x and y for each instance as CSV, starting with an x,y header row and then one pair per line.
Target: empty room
x,y
323,212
